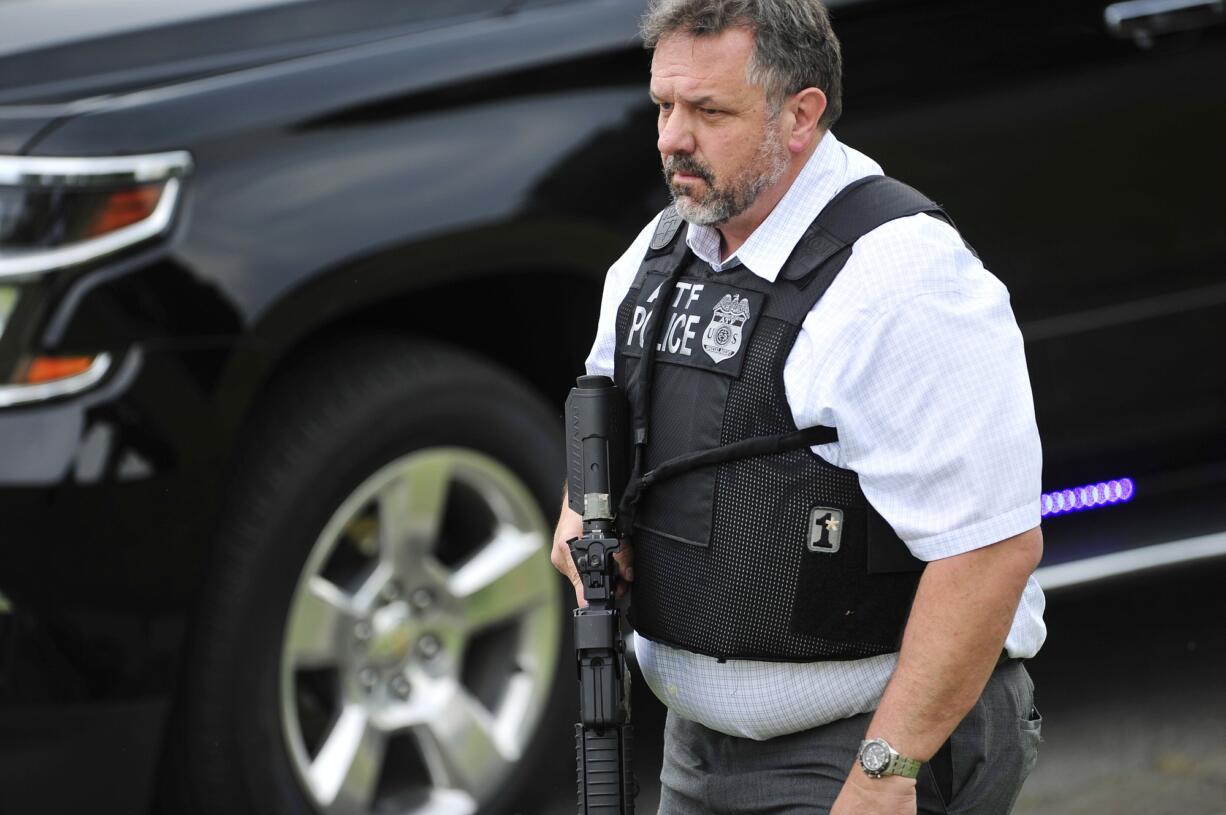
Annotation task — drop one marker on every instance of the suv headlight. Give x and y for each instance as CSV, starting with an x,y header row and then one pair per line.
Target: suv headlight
x,y
57,212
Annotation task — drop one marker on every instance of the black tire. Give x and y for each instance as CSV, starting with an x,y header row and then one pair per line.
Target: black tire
x,y
322,430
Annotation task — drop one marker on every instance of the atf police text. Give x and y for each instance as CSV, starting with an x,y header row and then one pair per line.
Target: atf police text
x,y
680,329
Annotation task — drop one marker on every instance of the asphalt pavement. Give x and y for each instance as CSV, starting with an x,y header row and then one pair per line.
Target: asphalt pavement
x,y
1132,688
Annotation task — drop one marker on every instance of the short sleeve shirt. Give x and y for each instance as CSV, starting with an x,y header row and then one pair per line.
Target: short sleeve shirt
x,y
915,356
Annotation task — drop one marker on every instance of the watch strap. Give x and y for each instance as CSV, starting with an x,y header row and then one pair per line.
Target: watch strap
x,y
897,765
906,767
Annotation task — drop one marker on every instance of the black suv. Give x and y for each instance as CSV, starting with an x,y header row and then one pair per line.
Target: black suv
x,y
290,293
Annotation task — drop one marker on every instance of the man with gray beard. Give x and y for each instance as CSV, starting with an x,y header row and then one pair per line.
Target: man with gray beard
x,y
833,513
721,203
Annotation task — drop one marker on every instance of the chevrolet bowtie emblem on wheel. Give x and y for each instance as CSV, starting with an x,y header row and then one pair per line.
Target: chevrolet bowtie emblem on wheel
x,y
722,339
825,529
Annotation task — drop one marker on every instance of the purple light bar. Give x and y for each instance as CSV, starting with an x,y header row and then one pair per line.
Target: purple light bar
x,y
1091,496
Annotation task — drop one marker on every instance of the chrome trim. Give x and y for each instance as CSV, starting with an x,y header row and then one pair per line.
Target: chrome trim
x,y
1118,314
1140,20
66,171
1088,570
24,394
28,265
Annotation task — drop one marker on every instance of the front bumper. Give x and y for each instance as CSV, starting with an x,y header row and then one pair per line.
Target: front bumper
x,y
105,498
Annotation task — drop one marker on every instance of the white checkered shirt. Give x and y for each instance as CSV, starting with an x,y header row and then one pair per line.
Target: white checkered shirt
x,y
914,355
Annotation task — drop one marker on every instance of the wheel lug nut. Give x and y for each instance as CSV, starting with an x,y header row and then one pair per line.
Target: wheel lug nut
x,y
391,592
401,687
362,630
422,599
368,677
429,646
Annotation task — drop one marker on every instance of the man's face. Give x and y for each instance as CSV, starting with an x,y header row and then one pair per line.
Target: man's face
x,y
719,148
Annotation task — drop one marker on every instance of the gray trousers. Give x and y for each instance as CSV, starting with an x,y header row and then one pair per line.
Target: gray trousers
x,y
988,757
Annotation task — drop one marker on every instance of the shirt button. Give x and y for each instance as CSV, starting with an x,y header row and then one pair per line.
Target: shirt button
x,y
672,689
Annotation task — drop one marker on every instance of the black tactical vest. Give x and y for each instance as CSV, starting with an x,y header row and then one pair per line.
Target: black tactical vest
x,y
747,544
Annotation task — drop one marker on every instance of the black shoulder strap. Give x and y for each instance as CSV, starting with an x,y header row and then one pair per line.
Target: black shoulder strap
x,y
668,253
858,209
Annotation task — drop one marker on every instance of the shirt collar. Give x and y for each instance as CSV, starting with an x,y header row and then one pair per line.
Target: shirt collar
x,y
768,247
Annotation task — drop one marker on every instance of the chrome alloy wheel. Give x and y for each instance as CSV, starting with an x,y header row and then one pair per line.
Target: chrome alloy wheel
x,y
422,639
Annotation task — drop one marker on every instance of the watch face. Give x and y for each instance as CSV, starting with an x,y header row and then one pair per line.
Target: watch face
x,y
875,757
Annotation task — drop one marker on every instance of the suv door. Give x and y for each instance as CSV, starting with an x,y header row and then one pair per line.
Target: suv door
x,y
1078,144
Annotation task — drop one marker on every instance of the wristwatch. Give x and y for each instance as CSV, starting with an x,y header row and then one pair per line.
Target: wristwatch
x,y
878,759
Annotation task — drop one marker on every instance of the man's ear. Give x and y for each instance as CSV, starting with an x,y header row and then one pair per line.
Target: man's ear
x,y
806,108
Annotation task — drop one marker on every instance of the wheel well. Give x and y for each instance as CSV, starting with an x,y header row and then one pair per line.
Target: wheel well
x,y
539,325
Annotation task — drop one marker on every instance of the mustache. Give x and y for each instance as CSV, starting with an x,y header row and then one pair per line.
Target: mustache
x,y
685,163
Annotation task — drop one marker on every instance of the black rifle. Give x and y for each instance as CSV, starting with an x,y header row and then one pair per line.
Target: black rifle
x,y
595,422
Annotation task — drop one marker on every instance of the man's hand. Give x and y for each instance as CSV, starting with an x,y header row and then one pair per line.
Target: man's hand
x,y
570,526
961,615
861,795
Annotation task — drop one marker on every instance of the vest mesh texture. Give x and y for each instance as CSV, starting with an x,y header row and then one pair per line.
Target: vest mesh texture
x,y
756,591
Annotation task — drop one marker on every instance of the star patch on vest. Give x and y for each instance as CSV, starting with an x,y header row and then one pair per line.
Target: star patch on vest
x,y
825,529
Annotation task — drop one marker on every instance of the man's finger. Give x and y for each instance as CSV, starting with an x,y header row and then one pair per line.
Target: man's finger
x,y
578,584
624,558
564,563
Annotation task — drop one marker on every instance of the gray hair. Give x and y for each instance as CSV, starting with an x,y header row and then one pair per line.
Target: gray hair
x,y
794,46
